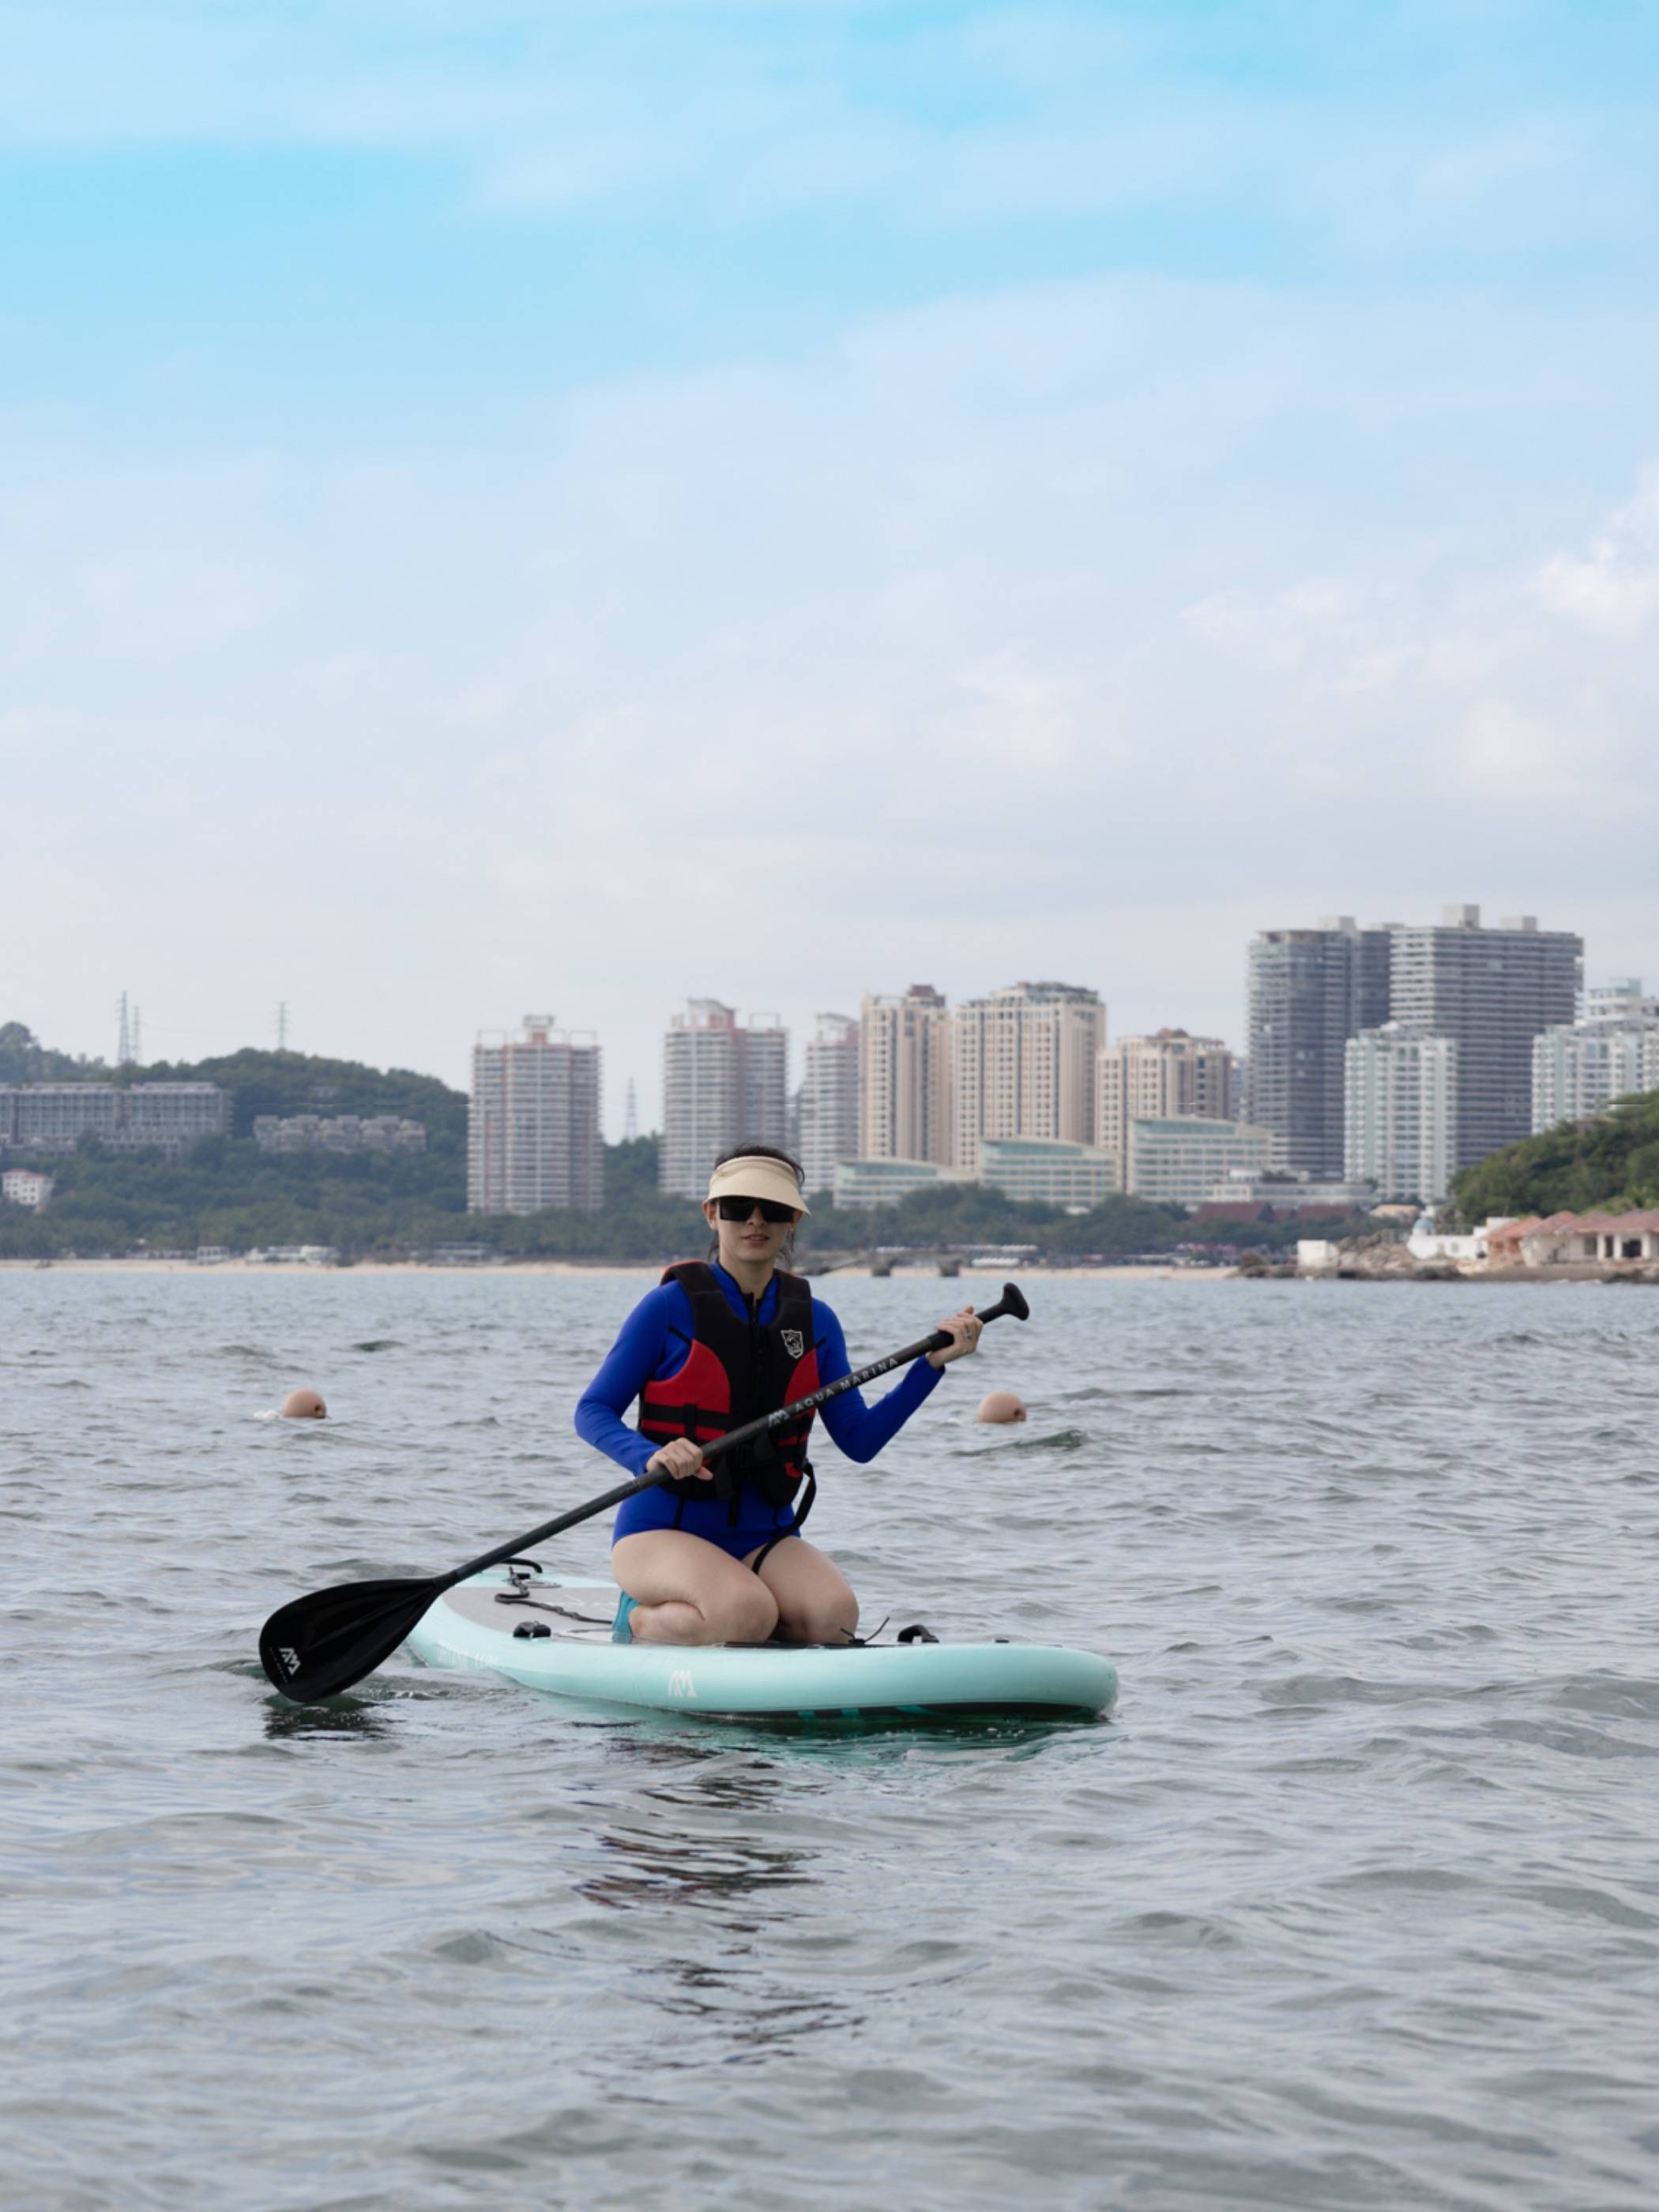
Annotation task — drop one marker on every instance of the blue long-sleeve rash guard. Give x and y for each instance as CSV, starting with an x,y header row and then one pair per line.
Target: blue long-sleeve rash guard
x,y
652,1345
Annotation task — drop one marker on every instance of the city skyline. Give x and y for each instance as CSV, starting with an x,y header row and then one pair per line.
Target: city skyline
x,y
1416,1047
456,1067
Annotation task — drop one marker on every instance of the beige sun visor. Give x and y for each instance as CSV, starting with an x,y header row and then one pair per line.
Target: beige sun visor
x,y
753,1176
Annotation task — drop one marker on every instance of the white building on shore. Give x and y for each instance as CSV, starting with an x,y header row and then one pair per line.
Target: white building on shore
x,y
24,1186
1047,1171
1401,1118
1180,1158
1580,1068
884,1182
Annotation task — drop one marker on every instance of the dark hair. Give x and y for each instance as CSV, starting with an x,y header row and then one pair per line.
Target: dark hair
x,y
786,1249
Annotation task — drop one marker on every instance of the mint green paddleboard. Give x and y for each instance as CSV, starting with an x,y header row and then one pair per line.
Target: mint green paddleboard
x,y
554,1634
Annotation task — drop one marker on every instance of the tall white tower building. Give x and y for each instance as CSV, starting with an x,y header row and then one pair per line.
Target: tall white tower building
x,y
724,1083
1401,1112
904,1076
533,1137
829,1100
1579,1069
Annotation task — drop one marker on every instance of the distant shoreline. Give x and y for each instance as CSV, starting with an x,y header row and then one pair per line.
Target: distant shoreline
x,y
648,1269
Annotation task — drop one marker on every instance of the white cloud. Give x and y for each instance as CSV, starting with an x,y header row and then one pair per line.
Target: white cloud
x,y
1612,588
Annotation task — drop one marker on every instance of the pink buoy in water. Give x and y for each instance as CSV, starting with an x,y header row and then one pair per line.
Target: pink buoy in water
x,y
1001,1405
304,1406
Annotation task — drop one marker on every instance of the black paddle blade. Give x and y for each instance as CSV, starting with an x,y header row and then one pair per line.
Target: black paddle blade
x,y
1012,1301
317,1646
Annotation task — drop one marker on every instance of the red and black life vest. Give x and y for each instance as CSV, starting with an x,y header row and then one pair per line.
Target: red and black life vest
x,y
734,1371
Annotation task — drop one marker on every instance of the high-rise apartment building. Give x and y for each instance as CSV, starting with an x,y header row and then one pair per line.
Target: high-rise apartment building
x,y
1612,1052
1024,1063
829,1100
724,1083
1492,991
1309,991
1402,1091
534,1138
904,1077
1156,1078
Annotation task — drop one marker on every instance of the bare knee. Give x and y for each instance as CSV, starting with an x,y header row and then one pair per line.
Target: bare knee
x,y
747,1613
737,1612
828,1619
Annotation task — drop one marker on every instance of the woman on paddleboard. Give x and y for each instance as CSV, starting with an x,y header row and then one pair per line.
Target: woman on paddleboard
x,y
714,1554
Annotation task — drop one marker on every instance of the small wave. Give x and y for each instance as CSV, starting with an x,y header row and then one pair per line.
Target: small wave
x,y
1152,1390
1338,1690
379,1344
1061,1440
1617,1695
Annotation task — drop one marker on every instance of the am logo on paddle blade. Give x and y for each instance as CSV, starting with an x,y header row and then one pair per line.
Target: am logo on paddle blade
x,y
289,1657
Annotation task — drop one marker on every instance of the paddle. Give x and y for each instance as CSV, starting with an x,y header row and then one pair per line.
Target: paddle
x,y
317,1645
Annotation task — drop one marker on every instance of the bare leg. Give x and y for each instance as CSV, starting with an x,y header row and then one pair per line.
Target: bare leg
x,y
686,1591
816,1604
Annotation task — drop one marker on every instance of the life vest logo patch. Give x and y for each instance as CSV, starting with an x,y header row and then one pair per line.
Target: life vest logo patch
x,y
794,1343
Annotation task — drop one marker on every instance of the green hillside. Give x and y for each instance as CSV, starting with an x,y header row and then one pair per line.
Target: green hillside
x,y
298,1082
1611,1163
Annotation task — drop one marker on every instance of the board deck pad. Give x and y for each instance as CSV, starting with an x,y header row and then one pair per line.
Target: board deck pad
x,y
875,1684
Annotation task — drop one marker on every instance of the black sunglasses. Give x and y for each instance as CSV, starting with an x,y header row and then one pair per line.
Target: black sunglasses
x,y
741,1209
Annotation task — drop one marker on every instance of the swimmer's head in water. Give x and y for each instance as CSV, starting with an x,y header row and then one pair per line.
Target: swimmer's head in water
x,y
304,1406
1001,1405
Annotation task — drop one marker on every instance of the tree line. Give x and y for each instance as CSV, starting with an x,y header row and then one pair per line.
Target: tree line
x,y
1609,1162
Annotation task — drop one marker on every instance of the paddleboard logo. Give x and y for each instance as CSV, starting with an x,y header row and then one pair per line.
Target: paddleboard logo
x,y
793,1342
680,1685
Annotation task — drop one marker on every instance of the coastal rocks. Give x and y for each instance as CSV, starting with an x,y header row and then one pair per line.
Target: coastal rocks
x,y
1383,1259
1255,1267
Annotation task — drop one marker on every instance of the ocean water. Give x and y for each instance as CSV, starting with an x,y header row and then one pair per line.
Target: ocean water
x,y
1354,1903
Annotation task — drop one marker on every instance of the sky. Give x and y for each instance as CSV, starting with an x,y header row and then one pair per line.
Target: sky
x,y
564,507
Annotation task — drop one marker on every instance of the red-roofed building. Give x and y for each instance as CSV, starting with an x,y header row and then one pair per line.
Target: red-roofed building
x,y
1578,1239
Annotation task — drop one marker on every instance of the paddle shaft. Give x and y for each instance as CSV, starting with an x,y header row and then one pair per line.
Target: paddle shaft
x,y
1010,1302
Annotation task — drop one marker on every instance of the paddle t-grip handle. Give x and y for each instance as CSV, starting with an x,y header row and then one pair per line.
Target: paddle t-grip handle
x,y
1012,1301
